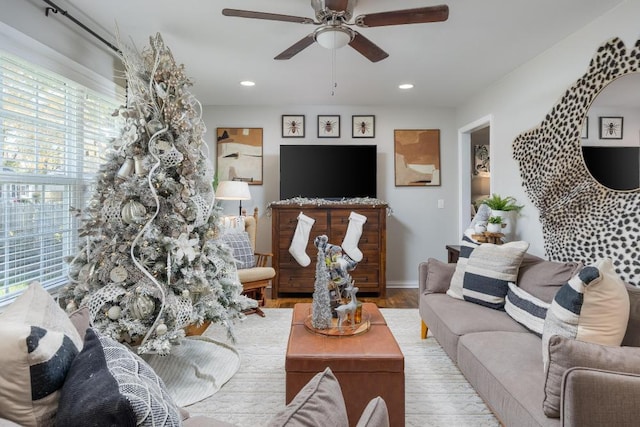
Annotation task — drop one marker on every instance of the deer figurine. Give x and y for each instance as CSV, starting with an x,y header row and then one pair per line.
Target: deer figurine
x,y
348,308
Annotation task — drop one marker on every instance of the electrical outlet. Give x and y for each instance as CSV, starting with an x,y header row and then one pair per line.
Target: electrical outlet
x,y
440,203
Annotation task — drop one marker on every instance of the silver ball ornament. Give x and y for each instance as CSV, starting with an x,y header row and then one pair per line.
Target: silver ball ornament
x,y
114,312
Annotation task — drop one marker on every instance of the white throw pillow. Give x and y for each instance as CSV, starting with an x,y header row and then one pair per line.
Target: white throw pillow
x,y
592,307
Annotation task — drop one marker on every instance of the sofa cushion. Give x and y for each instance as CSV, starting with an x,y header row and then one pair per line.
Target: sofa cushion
x,y
242,250
593,307
319,402
38,344
111,385
489,270
526,309
542,278
565,353
439,276
503,367
467,245
449,318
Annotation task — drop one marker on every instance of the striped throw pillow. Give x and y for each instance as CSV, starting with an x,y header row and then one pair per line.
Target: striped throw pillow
x,y
526,309
489,270
592,307
38,344
466,248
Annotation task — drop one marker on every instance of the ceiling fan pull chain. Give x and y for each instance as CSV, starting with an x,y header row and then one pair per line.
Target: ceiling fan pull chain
x,y
334,84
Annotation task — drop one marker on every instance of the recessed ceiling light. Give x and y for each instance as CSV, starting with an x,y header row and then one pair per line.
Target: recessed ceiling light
x,y
247,83
406,86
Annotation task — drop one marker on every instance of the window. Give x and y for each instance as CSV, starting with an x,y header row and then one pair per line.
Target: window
x,y
53,133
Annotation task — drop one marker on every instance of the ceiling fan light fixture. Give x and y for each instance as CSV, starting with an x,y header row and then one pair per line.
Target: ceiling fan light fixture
x,y
333,37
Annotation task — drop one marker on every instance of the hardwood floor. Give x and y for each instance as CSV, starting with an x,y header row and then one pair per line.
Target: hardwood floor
x,y
396,298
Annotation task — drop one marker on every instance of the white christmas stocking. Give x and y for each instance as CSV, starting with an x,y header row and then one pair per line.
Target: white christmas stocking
x,y
300,239
351,239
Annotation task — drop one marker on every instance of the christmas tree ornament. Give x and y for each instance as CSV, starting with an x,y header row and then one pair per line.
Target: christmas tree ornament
x,y
138,166
126,169
114,312
142,306
352,237
111,212
118,274
133,212
300,239
161,329
71,306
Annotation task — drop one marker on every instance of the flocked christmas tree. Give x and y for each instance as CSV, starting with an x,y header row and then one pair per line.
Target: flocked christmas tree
x,y
149,264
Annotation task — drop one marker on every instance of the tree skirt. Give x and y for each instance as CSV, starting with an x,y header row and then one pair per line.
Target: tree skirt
x,y
195,369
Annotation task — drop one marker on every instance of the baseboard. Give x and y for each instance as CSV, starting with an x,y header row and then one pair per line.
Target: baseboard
x,y
402,285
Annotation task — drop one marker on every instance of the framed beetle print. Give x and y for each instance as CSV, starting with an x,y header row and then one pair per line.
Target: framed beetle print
x,y
611,127
328,126
363,126
293,126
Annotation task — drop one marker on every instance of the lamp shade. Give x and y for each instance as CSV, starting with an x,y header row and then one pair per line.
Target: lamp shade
x,y
333,37
233,190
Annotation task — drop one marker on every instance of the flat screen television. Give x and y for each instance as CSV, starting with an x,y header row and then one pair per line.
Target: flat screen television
x,y
328,171
614,167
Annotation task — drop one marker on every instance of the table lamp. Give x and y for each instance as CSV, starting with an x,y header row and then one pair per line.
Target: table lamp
x,y
233,190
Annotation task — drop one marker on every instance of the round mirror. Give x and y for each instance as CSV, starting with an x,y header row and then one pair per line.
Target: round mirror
x,y
611,135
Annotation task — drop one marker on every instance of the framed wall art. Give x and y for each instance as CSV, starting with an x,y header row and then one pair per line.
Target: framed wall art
x,y
417,157
328,126
292,126
611,127
239,154
363,126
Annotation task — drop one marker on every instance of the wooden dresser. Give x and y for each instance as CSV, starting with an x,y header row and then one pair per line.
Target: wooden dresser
x,y
332,220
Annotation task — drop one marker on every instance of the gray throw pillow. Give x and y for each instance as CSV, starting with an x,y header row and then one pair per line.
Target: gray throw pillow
x,y
375,414
438,276
565,353
542,278
319,403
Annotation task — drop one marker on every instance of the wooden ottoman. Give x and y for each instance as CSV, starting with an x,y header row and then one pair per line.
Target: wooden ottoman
x,y
366,365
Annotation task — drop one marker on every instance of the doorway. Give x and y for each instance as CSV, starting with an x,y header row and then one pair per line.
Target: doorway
x,y
474,161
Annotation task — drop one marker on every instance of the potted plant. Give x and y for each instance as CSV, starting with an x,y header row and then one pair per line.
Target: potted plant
x,y
503,204
505,208
495,224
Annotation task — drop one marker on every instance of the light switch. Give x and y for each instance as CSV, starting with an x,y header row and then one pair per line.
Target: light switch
x,y
440,203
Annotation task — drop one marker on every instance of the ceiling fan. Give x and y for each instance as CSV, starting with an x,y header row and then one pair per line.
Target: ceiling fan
x,y
334,29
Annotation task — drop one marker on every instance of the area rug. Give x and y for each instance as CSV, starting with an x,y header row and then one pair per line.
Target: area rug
x,y
437,394
196,369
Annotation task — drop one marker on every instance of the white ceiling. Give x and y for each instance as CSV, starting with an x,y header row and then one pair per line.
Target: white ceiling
x,y
448,62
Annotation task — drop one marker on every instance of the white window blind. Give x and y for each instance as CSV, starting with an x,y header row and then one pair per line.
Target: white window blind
x,y
53,133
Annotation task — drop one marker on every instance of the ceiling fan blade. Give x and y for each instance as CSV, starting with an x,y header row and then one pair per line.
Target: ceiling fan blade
x,y
419,15
336,5
269,16
296,48
367,48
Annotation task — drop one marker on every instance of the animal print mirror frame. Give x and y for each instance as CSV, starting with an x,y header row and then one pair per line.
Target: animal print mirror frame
x,y
581,219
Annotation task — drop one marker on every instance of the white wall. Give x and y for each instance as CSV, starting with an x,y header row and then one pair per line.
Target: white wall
x,y
416,229
521,100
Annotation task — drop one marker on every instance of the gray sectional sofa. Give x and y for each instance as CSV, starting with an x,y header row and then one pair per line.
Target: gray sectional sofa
x,y
503,360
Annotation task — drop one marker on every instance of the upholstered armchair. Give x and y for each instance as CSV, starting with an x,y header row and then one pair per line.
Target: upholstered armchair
x,y
254,274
